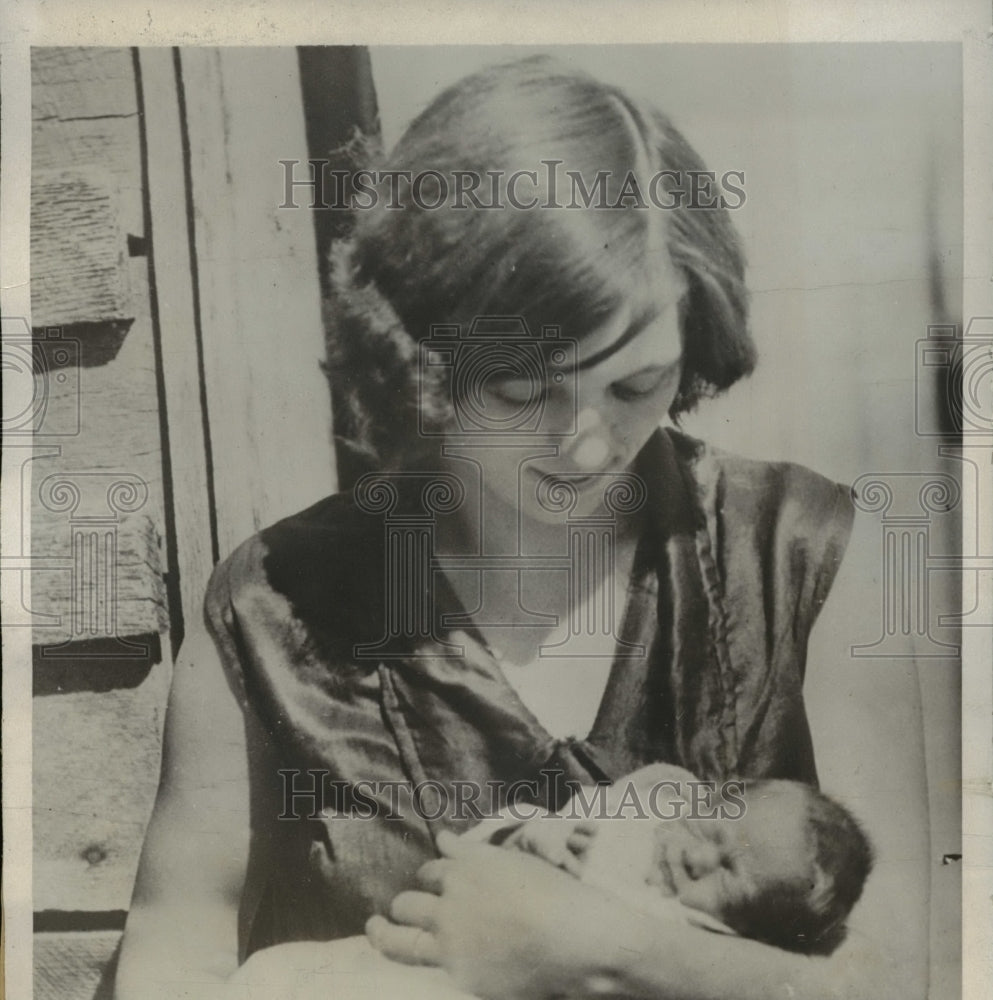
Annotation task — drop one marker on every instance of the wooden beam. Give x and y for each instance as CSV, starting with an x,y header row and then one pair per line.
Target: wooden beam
x,y
178,329
268,405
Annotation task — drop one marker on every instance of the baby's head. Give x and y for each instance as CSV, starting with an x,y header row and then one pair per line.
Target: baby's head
x,y
802,860
787,872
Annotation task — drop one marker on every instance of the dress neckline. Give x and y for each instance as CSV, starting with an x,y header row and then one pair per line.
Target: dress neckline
x,y
668,502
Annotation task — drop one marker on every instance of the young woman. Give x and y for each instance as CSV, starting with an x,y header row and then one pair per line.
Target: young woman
x,y
440,627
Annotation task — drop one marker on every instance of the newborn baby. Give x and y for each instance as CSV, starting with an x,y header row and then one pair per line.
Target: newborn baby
x,y
787,871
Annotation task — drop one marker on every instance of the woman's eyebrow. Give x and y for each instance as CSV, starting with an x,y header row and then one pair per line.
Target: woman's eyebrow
x,y
636,326
623,340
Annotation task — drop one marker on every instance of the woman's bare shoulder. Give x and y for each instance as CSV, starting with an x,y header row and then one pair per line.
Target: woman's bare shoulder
x,y
312,582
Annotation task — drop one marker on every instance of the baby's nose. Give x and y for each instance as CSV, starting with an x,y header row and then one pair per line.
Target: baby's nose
x,y
701,859
590,449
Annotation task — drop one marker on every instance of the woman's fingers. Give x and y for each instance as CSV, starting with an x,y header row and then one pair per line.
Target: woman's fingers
x,y
449,845
573,865
431,875
579,841
410,945
416,909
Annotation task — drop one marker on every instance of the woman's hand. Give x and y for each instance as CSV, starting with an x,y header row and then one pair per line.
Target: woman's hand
x,y
505,925
508,926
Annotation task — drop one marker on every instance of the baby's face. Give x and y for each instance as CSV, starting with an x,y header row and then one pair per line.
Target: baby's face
x,y
711,863
707,863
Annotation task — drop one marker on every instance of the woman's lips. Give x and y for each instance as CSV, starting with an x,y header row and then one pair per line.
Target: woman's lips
x,y
579,480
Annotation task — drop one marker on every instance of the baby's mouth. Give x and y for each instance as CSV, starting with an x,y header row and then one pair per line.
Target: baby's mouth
x,y
666,880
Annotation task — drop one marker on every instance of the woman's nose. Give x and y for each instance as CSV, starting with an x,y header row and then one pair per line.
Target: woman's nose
x,y
590,449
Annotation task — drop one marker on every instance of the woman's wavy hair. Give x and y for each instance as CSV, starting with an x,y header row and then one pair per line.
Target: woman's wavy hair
x,y
407,268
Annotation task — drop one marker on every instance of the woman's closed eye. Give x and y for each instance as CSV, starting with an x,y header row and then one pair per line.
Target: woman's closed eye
x,y
642,384
516,392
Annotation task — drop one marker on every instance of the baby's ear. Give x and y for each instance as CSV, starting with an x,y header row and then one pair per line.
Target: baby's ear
x,y
821,889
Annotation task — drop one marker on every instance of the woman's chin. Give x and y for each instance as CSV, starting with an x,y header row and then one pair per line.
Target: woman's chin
x,y
587,503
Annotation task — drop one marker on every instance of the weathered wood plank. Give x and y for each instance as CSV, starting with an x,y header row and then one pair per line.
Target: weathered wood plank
x,y
76,82
96,768
70,965
110,142
78,249
178,319
104,421
108,581
85,112
267,400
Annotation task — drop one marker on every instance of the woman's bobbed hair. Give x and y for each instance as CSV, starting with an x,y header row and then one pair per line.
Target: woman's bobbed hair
x,y
408,268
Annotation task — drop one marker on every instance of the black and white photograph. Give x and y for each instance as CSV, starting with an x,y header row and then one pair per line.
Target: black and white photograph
x,y
499,517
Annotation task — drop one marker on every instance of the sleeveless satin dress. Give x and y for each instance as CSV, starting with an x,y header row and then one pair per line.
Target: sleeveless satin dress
x,y
728,578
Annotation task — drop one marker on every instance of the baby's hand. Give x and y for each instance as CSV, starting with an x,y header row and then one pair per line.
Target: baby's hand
x,y
549,837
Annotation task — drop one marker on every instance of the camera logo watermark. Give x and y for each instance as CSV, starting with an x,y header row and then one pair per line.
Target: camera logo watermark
x,y
496,350
953,405
963,364
34,368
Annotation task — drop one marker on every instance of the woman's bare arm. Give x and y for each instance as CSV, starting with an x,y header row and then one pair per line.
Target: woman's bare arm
x,y
181,938
181,934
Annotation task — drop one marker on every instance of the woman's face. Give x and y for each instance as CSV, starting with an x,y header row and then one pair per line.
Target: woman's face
x,y
598,406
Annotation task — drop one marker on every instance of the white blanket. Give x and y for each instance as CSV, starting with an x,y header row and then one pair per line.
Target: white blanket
x,y
346,969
